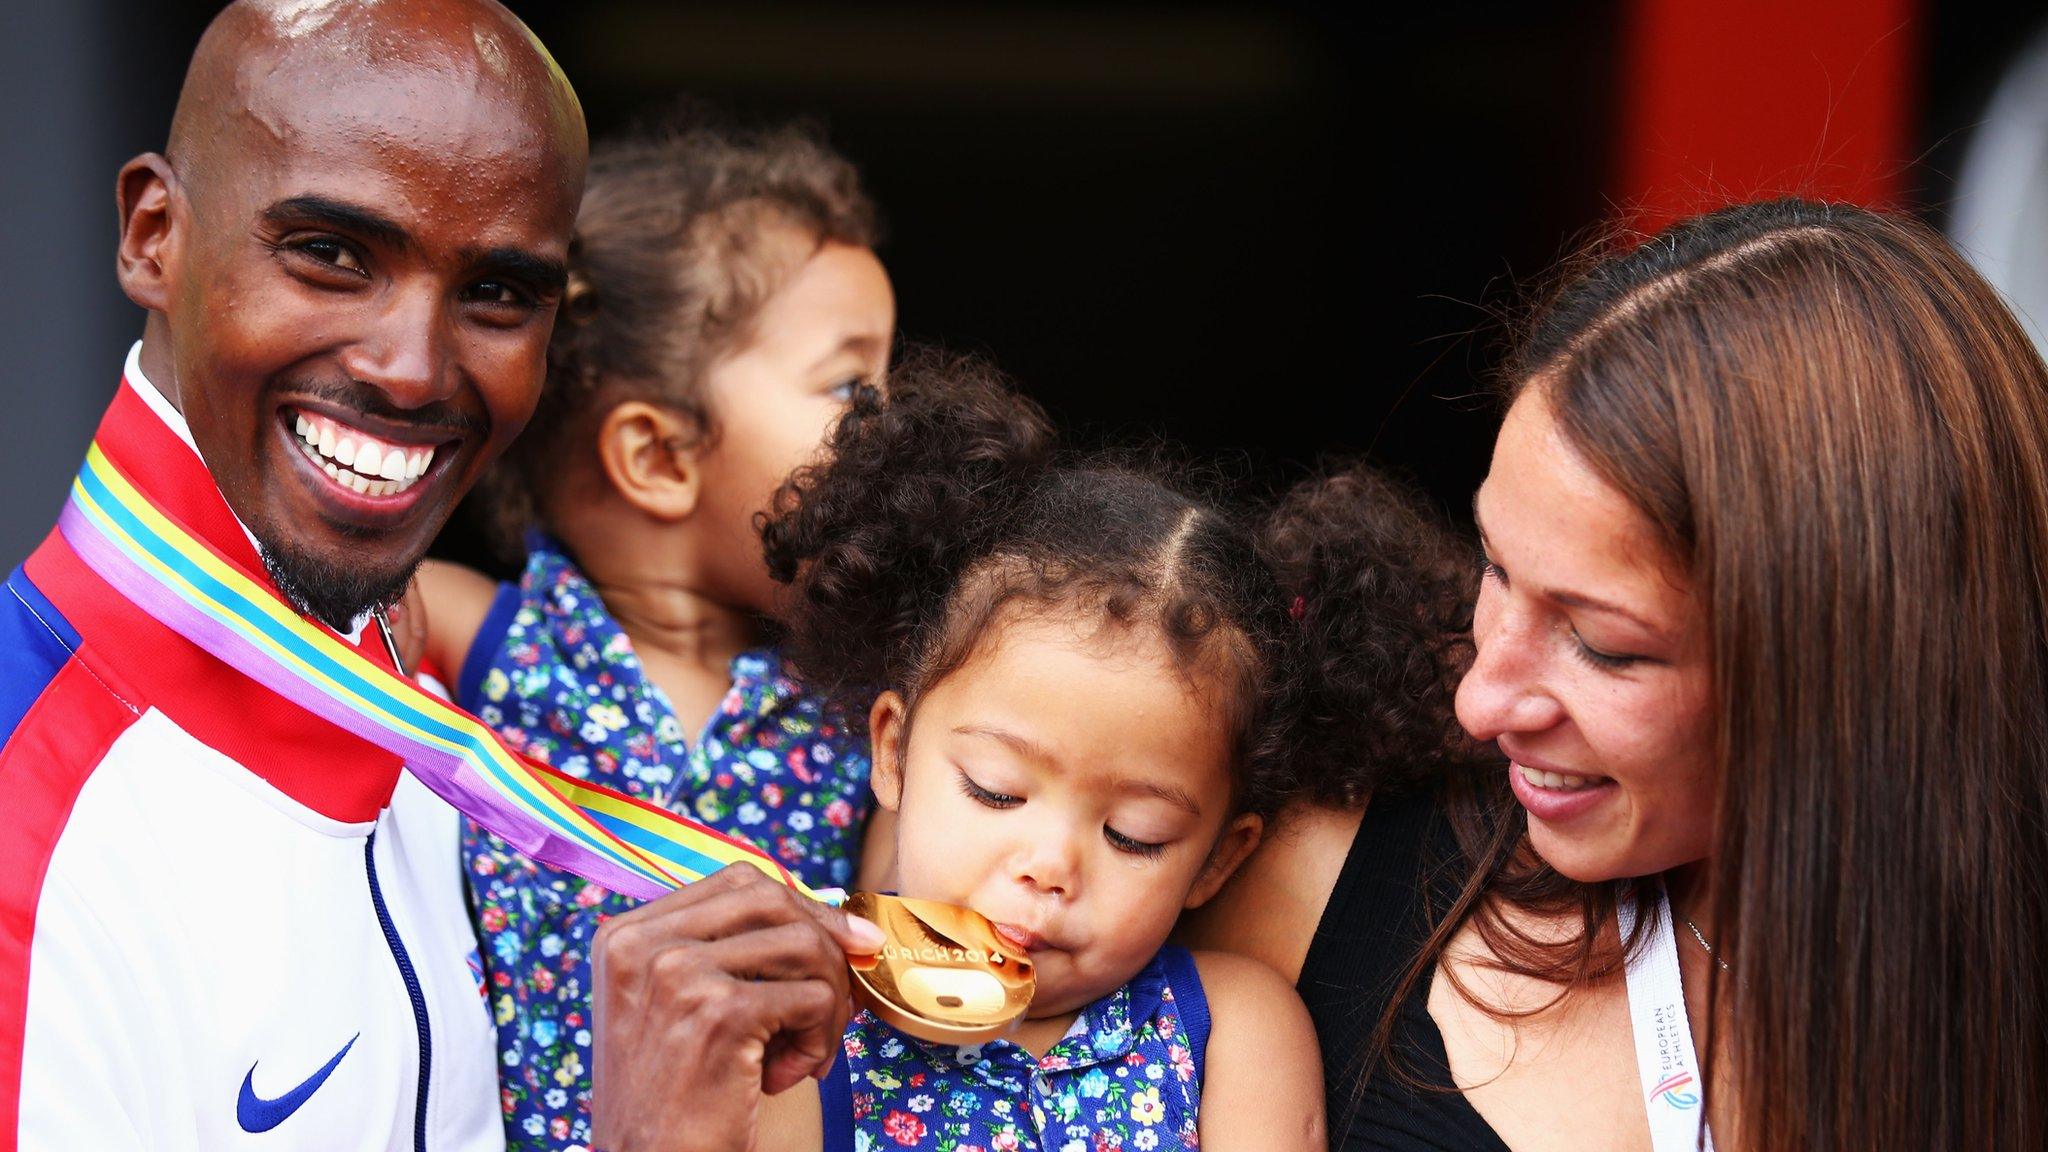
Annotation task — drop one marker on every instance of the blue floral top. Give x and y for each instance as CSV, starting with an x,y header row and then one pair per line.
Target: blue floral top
x,y
1127,1075
553,672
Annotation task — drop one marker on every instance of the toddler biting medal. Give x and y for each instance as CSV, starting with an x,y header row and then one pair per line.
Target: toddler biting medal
x,y
943,974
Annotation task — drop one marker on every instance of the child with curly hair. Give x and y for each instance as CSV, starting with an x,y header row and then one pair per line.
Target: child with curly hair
x,y
1088,690
724,307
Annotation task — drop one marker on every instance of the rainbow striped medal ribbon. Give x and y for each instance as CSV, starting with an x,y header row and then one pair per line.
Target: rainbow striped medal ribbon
x,y
943,972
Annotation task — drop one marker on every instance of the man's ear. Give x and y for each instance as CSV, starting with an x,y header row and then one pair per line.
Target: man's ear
x,y
649,455
144,261
885,736
1231,850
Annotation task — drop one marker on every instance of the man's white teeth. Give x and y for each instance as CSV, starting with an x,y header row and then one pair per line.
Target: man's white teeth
x,y
358,483
1557,781
357,462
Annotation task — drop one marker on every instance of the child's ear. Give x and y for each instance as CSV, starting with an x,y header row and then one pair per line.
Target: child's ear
x,y
649,457
1231,850
885,737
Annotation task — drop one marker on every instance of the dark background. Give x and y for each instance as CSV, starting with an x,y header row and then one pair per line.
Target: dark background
x,y
1273,232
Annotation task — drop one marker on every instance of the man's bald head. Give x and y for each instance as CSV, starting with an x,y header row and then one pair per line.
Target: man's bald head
x,y
266,69
362,225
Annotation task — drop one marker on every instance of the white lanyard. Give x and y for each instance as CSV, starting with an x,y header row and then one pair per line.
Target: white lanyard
x,y
1672,1090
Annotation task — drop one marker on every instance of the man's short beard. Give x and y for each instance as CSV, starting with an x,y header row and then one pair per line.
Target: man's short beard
x,y
334,595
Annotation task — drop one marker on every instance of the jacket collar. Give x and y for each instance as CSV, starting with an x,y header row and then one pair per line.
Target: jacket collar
x,y
332,771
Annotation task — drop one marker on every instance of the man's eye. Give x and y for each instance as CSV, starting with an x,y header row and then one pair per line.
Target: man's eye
x,y
498,292
328,250
845,390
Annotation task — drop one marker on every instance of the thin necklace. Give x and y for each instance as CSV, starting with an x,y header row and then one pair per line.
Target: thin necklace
x,y
398,660
1702,939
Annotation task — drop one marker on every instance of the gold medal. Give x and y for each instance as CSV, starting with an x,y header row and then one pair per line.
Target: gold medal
x,y
943,974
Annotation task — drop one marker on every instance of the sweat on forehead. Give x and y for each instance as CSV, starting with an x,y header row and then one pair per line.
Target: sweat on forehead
x,y
433,75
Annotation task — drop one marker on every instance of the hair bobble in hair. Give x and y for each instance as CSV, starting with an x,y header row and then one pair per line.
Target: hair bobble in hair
x,y
1367,689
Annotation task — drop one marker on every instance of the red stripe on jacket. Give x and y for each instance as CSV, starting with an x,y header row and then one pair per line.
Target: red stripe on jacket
x,y
52,753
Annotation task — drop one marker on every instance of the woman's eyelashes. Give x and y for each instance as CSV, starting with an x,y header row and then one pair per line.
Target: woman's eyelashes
x,y
1607,661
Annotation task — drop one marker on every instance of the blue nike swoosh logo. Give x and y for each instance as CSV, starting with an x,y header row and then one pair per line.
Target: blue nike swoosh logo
x,y
255,1114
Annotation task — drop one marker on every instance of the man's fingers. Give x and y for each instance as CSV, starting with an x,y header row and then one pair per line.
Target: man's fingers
x,y
712,908
734,912
855,936
808,1018
737,970
721,904
783,953
734,900
785,1068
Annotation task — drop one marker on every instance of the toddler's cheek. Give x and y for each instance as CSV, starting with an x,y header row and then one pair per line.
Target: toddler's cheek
x,y
929,870
1126,943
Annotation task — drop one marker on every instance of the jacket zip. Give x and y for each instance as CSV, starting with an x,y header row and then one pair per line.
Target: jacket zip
x,y
412,989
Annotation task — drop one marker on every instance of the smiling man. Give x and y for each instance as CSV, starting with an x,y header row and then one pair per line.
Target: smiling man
x,y
220,928
228,919
351,258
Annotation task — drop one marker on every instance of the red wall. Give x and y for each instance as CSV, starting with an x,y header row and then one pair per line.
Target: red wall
x,y
1735,99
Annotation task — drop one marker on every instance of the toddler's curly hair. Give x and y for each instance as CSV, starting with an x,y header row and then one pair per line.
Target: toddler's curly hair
x,y
947,507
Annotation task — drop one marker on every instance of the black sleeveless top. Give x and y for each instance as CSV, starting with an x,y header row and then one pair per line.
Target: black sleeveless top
x,y
1374,924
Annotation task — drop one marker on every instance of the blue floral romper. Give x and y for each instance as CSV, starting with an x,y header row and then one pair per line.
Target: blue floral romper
x,y
553,673
1127,1075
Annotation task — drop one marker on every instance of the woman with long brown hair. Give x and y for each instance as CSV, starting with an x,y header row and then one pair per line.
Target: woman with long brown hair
x,y
1763,635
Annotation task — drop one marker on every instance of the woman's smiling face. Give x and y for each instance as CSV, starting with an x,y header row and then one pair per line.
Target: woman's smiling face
x,y
1593,671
